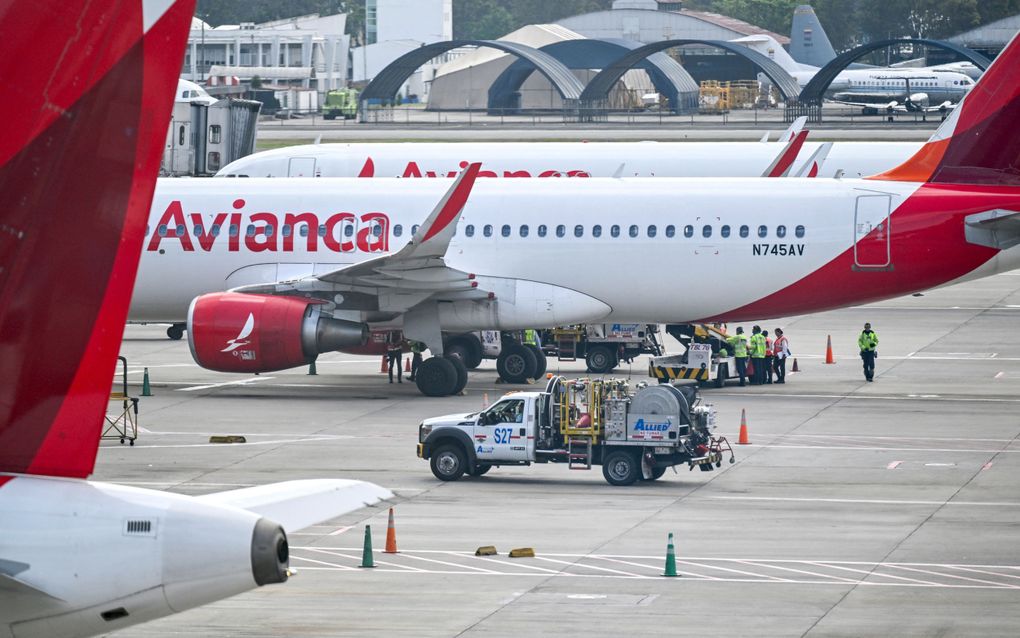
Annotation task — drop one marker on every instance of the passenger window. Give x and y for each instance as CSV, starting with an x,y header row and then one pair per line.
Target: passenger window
x,y
744,231
799,231
633,230
579,231
688,231
469,230
269,231
322,230
180,230
706,231
780,231
161,230
377,230
198,230
214,231
234,230
398,230
414,229
561,230
250,231
725,231
487,231
349,230
763,231
524,230
652,231
596,231
285,230
505,230
542,230
614,231
670,230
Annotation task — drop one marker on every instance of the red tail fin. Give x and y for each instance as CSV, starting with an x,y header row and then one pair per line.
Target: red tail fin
x,y
93,85
979,143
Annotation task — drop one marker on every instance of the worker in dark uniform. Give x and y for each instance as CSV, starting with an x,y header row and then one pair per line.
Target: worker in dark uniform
x,y
757,348
395,359
868,343
417,348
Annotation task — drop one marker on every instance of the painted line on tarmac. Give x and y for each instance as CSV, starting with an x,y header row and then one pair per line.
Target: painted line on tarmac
x,y
865,397
863,501
893,465
225,384
896,438
231,445
876,448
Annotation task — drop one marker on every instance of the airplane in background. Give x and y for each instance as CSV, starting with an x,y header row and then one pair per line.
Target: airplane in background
x,y
189,92
80,558
878,85
313,267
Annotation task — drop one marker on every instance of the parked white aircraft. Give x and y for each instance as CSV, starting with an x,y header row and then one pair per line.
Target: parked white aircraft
x,y
917,89
313,270
80,558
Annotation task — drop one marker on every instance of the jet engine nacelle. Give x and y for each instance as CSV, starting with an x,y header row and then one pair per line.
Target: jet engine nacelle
x,y
234,332
136,555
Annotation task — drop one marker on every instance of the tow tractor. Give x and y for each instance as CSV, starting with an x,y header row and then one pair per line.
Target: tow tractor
x,y
705,358
580,423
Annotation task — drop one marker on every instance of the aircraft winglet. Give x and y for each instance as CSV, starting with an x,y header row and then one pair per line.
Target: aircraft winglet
x,y
796,127
780,167
813,166
435,233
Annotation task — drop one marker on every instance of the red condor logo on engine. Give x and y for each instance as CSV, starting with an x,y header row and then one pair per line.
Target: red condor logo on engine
x,y
413,170
271,232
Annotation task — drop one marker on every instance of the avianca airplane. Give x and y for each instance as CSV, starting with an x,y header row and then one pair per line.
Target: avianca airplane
x,y
315,265
569,159
80,558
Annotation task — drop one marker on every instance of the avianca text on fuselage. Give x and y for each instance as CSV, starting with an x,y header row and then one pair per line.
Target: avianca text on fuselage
x,y
413,170
263,231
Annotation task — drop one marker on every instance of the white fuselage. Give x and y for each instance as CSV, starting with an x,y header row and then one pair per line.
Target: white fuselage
x,y
650,271
562,159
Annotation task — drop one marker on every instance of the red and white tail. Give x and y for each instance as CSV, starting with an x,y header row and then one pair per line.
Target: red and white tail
x,y
979,143
90,88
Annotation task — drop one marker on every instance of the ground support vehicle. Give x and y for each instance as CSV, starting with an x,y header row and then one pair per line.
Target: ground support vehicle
x,y
341,103
579,423
602,345
706,357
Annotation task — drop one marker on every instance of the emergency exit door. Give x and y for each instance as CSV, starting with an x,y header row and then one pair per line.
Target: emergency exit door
x,y
872,235
301,167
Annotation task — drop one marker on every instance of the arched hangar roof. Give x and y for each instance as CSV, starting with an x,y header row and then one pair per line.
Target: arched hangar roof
x,y
669,78
815,89
390,79
600,85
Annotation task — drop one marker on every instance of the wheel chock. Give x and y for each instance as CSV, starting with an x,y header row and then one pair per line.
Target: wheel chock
x,y
522,552
232,438
485,550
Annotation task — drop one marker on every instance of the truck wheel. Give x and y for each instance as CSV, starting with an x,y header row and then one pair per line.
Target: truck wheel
x,y
467,347
448,463
657,473
540,361
175,332
436,377
600,359
620,468
480,470
516,364
460,371
721,373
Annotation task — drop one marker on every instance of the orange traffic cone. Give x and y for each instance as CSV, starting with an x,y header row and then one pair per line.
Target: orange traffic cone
x,y
485,400
383,368
743,429
391,536
407,365
796,368
828,351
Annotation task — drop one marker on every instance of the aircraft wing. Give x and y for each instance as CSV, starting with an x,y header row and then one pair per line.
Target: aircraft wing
x,y
416,271
300,504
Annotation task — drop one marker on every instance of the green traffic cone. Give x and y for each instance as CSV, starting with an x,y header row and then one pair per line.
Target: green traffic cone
x,y
670,558
146,390
366,554
311,369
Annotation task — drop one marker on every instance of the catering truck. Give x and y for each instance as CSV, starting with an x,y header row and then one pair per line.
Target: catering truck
x,y
580,423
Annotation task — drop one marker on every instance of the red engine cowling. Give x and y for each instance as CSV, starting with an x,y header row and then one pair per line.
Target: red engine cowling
x,y
234,332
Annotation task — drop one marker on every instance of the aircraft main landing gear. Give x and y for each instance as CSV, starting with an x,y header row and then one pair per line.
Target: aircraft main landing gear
x,y
176,331
441,376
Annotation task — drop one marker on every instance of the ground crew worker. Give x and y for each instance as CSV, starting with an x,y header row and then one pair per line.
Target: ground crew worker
x,y
781,351
417,347
530,338
739,344
757,348
868,343
768,356
395,359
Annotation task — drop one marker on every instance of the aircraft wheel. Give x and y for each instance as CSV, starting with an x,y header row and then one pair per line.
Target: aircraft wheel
x,y
460,371
540,361
467,347
516,364
601,359
175,332
437,377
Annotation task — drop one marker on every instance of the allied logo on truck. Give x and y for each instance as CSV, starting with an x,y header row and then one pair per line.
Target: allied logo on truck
x,y
646,426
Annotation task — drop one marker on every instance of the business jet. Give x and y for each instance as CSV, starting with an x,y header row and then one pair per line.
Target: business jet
x,y
873,85
312,266
81,558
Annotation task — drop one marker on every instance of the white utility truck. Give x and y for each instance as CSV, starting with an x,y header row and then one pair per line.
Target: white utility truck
x,y
580,423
